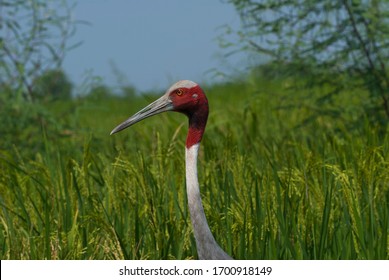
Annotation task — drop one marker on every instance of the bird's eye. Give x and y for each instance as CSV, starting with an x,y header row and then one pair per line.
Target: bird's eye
x,y
179,92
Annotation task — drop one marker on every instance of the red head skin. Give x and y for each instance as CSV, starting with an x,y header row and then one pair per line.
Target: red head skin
x,y
193,103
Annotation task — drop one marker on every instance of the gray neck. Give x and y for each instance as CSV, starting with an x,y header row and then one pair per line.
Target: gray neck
x,y
207,247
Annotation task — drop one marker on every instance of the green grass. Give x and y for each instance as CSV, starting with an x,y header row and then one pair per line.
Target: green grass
x,y
272,188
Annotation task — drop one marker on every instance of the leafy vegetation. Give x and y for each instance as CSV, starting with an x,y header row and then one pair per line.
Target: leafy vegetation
x,y
34,39
329,40
274,185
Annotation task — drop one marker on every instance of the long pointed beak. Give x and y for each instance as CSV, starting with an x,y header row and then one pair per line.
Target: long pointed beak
x,y
160,105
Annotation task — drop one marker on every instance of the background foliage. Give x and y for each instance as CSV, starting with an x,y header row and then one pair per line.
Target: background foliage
x,y
343,44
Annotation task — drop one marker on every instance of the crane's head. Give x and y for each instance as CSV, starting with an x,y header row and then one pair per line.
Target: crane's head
x,y
185,97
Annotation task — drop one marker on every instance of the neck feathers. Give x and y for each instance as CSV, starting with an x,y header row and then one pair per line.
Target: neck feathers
x,y
197,123
207,247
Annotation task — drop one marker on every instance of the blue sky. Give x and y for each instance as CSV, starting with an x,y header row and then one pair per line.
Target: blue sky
x,y
151,44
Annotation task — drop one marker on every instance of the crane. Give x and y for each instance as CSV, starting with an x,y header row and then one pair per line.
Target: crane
x,y
188,98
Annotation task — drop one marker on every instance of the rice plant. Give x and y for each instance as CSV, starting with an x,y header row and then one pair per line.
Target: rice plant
x,y
276,184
